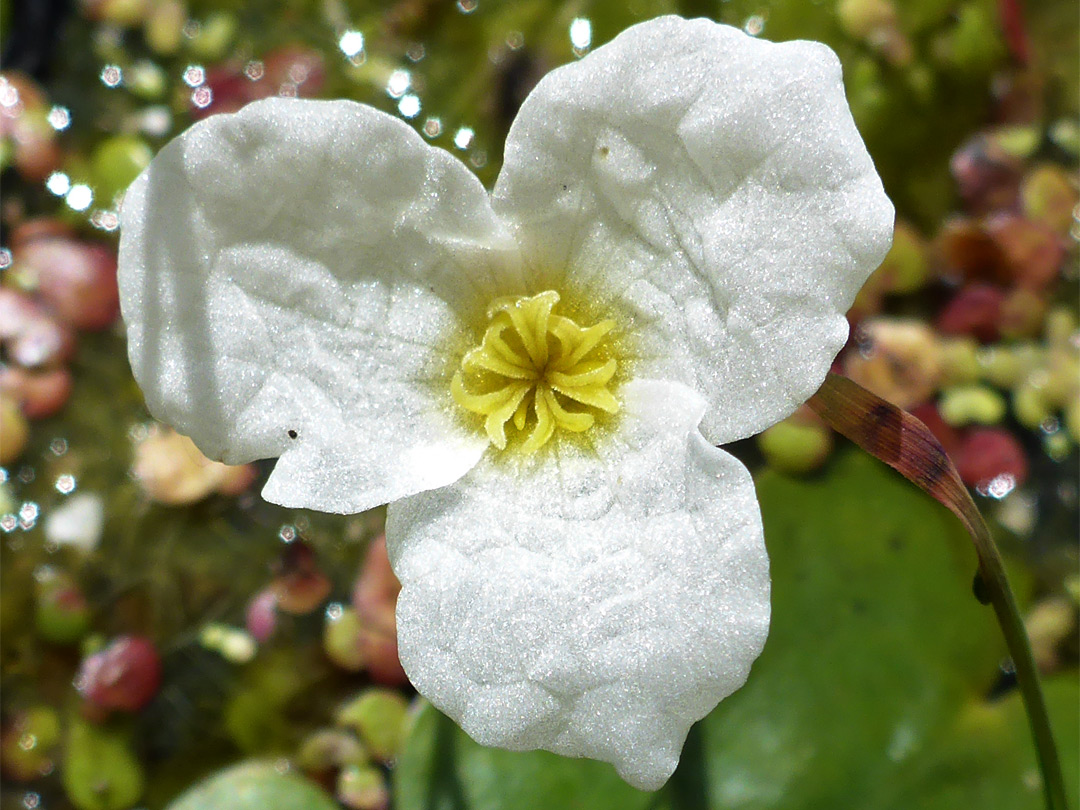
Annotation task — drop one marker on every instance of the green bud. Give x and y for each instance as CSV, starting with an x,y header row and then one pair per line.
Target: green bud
x,y
971,405
1060,327
215,35
795,447
341,638
362,788
329,749
959,360
1006,367
1047,195
1018,140
1065,133
1030,407
61,614
100,771
974,45
164,29
116,162
1057,445
906,267
380,718
146,80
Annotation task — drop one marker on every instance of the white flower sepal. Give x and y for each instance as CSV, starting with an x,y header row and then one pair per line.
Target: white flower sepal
x,y
534,381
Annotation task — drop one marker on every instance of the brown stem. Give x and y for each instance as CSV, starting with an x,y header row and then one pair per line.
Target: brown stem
x,y
907,445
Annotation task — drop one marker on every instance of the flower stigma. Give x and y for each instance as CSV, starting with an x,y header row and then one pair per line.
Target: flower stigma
x,y
536,369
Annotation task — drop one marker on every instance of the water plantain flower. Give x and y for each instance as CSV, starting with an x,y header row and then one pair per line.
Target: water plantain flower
x,y
534,380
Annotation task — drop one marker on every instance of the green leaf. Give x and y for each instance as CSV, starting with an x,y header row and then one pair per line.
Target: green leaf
x,y
986,759
255,786
876,639
441,768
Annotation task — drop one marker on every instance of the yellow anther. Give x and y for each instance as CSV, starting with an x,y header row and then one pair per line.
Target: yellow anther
x,y
536,368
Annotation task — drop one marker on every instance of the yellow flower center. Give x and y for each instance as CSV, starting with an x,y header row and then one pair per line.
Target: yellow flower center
x,y
536,368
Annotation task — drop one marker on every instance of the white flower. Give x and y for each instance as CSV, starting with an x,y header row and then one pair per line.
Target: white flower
x,y
534,381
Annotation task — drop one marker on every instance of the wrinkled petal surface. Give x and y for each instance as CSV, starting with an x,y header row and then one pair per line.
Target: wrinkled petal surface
x,y
595,604
713,188
290,276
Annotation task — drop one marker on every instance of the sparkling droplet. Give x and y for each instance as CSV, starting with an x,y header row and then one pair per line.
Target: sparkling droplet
x,y
351,43
111,75
201,97
59,118
194,75
463,137
79,197
580,35
754,25
58,183
398,83
409,106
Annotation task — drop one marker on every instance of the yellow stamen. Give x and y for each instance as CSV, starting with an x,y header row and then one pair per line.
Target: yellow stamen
x,y
533,366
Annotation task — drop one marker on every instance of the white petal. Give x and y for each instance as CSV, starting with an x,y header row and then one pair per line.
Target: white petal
x,y
713,187
292,278
590,606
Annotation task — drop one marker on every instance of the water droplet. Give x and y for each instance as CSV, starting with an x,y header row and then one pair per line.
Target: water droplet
x,y
998,487
105,220
201,97
111,75
754,25
398,83
409,106
463,137
58,183
433,127
287,533
79,197
194,75
580,35
59,118
467,6
351,43
28,515
65,484
334,611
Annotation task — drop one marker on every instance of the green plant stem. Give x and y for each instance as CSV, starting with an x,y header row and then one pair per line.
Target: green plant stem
x,y
907,445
